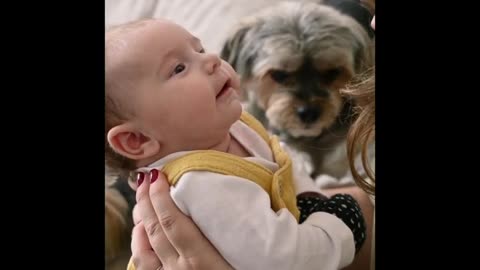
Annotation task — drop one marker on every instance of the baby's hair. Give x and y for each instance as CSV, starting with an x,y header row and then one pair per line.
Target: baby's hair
x,y
126,27
115,114
362,131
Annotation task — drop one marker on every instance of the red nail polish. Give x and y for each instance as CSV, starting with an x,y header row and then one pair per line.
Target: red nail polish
x,y
153,175
140,178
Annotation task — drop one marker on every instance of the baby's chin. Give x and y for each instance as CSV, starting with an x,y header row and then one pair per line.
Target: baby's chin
x,y
234,112
237,108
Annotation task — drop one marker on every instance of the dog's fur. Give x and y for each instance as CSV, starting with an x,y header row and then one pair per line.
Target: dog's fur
x,y
293,59
119,201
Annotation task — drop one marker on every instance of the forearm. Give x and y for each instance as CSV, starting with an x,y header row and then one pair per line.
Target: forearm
x,y
362,259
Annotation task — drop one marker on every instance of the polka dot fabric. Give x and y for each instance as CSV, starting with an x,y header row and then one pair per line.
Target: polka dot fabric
x,y
341,205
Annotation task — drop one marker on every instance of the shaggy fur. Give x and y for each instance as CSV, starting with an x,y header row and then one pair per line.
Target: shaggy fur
x,y
293,59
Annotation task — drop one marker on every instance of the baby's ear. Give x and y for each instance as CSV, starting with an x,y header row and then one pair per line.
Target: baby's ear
x,y
131,143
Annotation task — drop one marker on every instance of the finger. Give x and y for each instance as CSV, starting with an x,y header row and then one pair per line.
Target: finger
x,y
136,215
140,241
161,245
139,181
178,228
143,256
134,183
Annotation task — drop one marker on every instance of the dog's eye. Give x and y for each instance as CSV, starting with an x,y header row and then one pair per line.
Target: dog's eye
x,y
279,76
331,74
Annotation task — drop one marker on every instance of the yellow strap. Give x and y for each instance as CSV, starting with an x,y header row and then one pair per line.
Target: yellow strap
x,y
130,265
253,123
218,162
283,191
278,185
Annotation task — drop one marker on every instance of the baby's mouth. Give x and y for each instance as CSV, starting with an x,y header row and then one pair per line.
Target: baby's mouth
x,y
224,89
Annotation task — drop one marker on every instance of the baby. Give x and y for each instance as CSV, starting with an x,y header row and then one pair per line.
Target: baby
x,y
172,107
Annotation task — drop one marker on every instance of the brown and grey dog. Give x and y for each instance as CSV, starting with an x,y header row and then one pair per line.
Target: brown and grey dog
x,y
293,59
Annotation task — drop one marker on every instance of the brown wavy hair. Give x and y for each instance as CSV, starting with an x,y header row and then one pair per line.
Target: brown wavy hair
x,y
362,131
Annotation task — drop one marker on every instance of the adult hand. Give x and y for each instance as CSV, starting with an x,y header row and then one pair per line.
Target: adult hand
x,y
164,237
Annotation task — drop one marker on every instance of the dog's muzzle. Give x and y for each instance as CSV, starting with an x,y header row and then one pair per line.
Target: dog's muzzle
x,y
308,114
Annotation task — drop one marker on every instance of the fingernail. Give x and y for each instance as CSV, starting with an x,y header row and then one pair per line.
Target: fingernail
x,y
153,175
140,178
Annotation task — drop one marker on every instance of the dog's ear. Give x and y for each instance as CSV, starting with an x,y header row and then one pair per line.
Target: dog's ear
x,y
360,17
364,49
233,46
364,57
358,10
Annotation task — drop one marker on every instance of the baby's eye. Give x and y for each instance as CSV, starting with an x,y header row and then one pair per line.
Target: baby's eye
x,y
179,68
202,50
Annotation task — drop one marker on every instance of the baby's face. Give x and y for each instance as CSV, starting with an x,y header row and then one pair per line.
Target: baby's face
x,y
184,97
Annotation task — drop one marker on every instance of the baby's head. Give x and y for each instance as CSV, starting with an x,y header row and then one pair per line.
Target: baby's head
x,y
163,94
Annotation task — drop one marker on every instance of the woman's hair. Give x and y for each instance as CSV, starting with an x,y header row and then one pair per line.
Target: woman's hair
x,y
362,131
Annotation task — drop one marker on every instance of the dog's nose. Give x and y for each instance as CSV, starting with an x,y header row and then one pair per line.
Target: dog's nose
x,y
308,114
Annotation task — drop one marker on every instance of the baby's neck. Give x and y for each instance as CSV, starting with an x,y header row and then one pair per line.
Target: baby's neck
x,y
232,146
228,145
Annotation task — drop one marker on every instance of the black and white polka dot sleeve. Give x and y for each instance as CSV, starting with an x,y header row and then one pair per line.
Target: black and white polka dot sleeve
x,y
343,206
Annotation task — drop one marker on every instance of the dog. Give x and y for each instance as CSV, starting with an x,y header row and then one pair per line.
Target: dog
x,y
293,59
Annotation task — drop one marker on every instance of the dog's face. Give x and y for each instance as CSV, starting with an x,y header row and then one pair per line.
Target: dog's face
x,y
293,59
